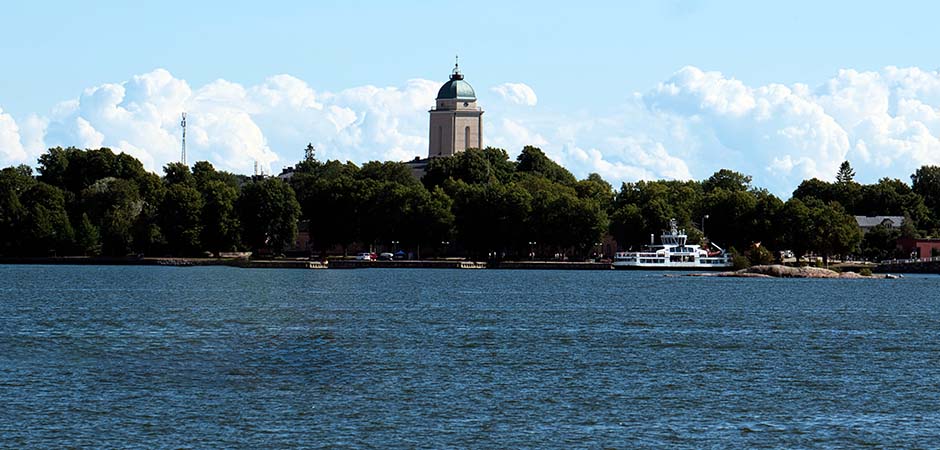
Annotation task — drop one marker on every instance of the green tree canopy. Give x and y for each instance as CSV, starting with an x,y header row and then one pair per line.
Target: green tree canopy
x,y
533,159
45,229
728,180
268,211
845,174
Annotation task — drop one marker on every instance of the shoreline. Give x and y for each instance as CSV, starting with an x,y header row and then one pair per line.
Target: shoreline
x,y
341,264
303,263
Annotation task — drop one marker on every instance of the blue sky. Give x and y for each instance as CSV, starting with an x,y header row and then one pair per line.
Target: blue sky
x,y
599,75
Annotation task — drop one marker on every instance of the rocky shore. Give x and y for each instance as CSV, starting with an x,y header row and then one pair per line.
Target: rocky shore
x,y
780,271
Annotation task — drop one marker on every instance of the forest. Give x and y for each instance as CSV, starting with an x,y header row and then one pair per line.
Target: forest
x,y
478,204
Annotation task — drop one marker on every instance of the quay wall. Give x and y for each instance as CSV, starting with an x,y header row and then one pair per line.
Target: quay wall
x,y
551,265
308,264
421,264
909,267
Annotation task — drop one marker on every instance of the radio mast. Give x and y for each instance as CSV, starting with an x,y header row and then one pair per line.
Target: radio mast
x,y
183,124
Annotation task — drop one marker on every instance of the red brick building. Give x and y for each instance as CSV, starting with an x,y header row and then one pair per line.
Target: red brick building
x,y
920,248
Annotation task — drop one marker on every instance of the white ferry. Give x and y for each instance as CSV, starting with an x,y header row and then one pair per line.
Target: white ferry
x,y
673,253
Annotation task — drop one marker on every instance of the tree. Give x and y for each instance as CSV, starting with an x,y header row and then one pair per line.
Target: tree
x,y
834,231
845,174
332,205
45,228
73,170
880,242
113,205
500,165
758,255
433,220
220,224
766,221
533,159
490,217
310,153
268,211
926,183
180,219
559,220
471,166
14,181
87,238
628,227
178,173
598,189
814,188
389,171
728,180
731,217
797,226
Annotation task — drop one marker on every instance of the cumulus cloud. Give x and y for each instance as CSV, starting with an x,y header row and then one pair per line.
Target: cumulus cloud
x,y
886,122
233,125
693,123
517,93
11,149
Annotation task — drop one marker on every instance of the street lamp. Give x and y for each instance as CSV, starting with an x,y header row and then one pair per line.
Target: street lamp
x,y
532,249
395,244
703,224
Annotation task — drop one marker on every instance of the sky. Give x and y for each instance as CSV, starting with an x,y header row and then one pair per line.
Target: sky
x,y
672,89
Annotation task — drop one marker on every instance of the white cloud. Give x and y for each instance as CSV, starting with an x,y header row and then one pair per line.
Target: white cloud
x,y
886,123
11,149
693,123
517,93
233,125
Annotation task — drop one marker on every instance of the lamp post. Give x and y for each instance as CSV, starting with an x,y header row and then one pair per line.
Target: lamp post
x,y
532,249
446,244
703,224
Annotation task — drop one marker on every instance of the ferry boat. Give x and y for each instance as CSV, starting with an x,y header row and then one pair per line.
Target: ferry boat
x,y
674,254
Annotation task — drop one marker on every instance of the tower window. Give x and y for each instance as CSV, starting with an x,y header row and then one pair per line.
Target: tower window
x,y
466,137
440,139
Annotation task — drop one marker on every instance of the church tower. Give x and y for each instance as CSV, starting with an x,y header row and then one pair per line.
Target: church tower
x,y
456,120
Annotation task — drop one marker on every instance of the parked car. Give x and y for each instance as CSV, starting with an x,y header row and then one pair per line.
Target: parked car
x,y
386,256
365,257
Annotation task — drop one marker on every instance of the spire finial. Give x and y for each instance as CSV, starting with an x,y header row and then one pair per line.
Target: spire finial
x,y
455,74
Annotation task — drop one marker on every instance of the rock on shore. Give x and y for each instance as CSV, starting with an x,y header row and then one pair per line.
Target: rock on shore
x,y
779,271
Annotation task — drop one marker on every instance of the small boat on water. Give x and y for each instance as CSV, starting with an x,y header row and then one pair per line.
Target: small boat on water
x,y
673,253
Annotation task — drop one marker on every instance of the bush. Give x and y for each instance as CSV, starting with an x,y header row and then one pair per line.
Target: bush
x,y
865,272
740,262
759,255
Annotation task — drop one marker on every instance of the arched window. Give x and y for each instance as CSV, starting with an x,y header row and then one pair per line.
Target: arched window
x,y
440,140
466,138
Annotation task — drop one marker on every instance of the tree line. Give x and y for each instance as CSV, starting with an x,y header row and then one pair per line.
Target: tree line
x,y
479,203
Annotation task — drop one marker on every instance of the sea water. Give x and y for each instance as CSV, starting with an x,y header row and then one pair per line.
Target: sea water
x,y
162,357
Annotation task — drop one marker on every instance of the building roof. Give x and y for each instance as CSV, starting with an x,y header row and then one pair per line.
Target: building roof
x,y
456,88
873,221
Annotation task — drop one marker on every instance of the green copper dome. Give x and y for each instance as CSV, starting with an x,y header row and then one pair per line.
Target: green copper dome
x,y
456,88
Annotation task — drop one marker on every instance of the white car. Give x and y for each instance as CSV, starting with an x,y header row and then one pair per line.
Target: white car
x,y
364,257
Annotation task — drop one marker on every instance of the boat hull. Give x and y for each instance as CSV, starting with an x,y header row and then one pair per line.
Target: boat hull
x,y
686,267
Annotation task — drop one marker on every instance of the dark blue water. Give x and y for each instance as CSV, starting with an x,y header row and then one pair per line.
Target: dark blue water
x,y
221,357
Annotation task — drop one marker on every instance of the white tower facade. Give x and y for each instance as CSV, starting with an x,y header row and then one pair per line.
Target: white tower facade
x,y
456,120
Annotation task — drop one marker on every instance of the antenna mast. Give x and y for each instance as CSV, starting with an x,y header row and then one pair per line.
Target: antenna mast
x,y
183,124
